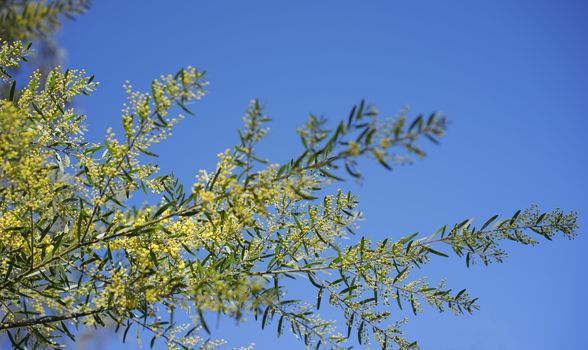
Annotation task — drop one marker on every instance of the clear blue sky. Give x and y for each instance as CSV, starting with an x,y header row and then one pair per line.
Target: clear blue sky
x,y
511,75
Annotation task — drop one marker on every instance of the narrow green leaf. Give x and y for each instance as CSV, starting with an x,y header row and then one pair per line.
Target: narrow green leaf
x,y
126,331
413,304
514,217
319,297
264,318
203,322
359,114
162,209
280,325
350,325
144,151
540,218
384,164
351,114
408,238
488,222
184,108
12,88
399,275
431,250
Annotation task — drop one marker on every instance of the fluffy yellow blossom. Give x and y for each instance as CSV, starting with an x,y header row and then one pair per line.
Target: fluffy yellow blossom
x,y
207,196
353,148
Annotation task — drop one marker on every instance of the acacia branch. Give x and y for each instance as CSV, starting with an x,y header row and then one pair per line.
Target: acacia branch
x,y
50,319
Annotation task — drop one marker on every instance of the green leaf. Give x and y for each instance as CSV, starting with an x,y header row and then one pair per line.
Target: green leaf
x,y
399,275
432,139
417,122
461,224
431,250
144,151
349,289
384,164
351,171
183,107
280,325
203,322
514,217
413,304
368,300
12,89
216,175
350,325
162,209
319,298
153,258
264,318
488,222
540,218
350,118
359,114
329,175
302,194
408,238
38,110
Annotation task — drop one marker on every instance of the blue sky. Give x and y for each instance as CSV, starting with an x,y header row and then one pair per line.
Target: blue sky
x,y
511,76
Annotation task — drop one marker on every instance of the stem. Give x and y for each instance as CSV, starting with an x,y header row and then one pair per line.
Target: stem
x,y
50,319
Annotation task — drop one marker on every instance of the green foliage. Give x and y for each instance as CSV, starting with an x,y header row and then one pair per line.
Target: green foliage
x,y
74,254
36,21
29,19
